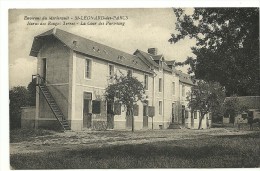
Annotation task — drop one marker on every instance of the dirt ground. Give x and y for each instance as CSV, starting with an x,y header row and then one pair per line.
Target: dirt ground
x,y
88,139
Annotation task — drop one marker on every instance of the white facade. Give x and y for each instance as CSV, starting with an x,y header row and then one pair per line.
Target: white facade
x,y
77,78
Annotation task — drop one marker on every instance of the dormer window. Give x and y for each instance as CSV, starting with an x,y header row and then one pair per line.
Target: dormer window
x,y
120,57
135,62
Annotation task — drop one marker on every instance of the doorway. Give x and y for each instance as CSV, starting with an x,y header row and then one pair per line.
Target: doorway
x,y
87,115
44,69
110,115
145,114
183,115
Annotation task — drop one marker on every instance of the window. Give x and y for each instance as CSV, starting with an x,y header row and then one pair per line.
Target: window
x,y
96,107
186,114
160,107
146,82
173,108
173,112
195,114
88,68
183,91
173,88
160,85
130,73
111,71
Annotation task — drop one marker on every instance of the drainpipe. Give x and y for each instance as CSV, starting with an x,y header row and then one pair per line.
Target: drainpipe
x,y
163,96
154,75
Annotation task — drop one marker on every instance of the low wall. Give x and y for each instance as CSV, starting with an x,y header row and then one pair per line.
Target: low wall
x,y
28,117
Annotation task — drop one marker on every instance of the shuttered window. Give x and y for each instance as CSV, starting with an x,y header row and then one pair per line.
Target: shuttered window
x,y
160,107
195,115
151,111
146,82
186,114
117,109
160,85
96,107
87,68
136,110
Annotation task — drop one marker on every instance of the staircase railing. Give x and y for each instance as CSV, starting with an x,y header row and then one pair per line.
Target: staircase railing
x,y
41,83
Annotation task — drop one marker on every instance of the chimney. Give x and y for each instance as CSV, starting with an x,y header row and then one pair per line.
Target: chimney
x,y
152,51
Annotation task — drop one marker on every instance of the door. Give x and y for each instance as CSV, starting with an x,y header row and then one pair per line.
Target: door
x,y
128,120
44,68
192,119
173,112
87,115
110,116
145,114
183,115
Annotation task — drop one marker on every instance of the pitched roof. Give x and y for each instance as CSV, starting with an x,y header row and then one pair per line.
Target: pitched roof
x,y
184,78
89,47
150,58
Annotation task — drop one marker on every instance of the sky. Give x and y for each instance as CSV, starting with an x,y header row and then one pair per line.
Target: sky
x,y
144,28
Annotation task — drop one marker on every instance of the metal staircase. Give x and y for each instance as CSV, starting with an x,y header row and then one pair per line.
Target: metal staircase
x,y
52,104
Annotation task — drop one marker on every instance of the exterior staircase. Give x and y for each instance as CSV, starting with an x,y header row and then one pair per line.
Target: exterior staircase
x,y
54,107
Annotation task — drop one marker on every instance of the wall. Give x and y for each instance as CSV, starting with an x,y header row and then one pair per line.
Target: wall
x,y
97,84
57,80
28,117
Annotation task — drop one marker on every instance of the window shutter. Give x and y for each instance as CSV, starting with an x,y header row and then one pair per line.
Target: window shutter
x,y
117,108
96,107
151,111
136,110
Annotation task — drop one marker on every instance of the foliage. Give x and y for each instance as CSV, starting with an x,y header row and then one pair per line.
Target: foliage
x,y
126,90
18,97
207,97
227,46
32,92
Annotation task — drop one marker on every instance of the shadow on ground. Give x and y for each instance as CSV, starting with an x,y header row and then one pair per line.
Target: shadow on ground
x,y
216,152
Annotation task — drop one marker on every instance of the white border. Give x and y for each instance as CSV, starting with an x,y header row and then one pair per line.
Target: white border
x,y
7,4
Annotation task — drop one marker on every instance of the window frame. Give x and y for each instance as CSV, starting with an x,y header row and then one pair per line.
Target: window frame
x,y
160,107
89,67
173,88
131,71
146,81
160,85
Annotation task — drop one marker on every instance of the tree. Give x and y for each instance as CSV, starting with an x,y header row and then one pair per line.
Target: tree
x,y
227,46
18,97
126,90
207,97
32,92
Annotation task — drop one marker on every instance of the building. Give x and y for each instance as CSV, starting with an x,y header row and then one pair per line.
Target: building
x,y
73,73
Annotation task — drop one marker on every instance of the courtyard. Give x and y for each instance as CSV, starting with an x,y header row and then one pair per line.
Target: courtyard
x,y
180,148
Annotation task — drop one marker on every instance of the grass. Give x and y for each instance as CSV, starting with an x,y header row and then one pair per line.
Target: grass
x,y
232,151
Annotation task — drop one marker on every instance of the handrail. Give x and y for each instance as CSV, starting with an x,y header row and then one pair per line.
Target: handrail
x,y
39,79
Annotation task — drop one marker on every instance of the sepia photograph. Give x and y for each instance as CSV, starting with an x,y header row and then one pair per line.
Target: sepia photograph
x,y
134,88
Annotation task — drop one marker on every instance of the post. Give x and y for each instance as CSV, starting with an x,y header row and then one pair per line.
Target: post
x,y
132,119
